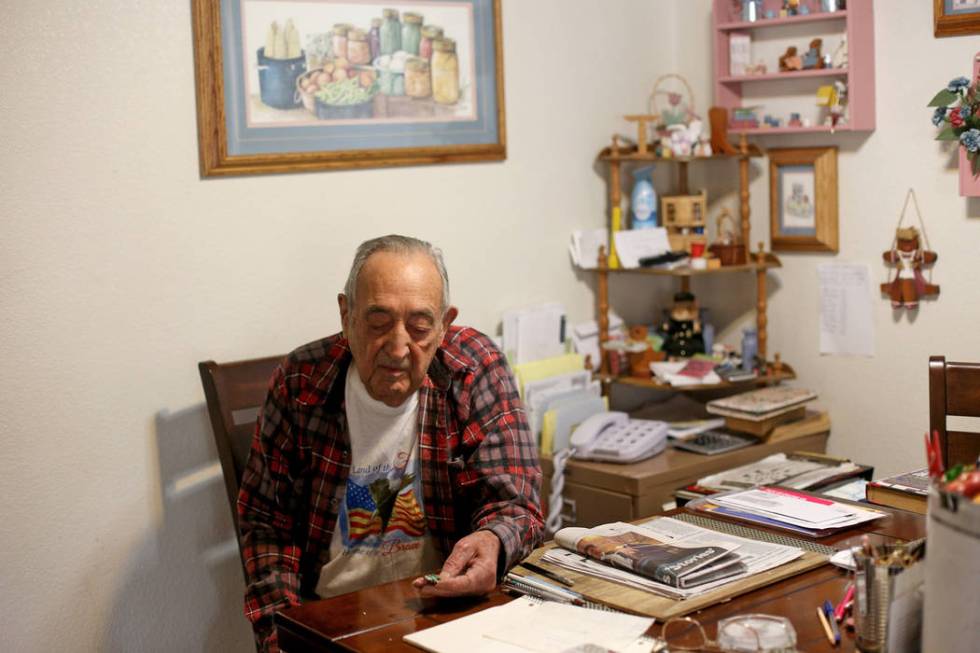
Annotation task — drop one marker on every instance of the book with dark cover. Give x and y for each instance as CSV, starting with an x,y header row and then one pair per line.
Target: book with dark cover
x,y
907,491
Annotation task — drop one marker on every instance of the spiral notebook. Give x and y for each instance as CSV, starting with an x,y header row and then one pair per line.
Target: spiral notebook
x,y
528,624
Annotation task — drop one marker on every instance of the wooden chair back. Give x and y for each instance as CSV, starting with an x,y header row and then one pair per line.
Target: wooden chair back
x,y
235,393
954,389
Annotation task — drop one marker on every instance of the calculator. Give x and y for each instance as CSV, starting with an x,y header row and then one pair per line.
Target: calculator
x,y
712,442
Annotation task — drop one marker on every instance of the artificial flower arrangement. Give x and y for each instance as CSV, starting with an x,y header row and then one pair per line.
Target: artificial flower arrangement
x,y
958,112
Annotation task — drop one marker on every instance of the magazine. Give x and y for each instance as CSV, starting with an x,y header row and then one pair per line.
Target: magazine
x,y
635,550
765,402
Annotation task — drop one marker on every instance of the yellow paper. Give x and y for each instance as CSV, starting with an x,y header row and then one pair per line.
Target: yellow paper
x,y
548,432
542,369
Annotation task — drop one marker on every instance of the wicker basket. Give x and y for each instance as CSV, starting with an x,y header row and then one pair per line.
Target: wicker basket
x,y
308,99
727,248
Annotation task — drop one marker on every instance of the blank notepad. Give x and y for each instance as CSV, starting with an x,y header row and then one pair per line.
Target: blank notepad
x,y
527,624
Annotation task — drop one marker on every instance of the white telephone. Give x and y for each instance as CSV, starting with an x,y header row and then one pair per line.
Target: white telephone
x,y
614,437
605,436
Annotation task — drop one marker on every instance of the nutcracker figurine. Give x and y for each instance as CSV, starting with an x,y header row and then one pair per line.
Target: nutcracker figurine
x,y
682,330
909,257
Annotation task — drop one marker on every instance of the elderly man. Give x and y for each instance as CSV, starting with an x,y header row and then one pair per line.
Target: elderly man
x,y
388,451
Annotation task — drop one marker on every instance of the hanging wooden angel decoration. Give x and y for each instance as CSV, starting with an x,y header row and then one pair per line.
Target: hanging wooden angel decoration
x,y
908,257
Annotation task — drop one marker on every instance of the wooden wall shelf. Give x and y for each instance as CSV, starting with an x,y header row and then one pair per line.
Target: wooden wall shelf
x,y
773,377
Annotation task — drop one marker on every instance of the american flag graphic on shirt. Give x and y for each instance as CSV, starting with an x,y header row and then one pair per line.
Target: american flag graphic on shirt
x,y
362,513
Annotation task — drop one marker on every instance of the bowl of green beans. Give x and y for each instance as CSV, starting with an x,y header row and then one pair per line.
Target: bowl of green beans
x,y
347,99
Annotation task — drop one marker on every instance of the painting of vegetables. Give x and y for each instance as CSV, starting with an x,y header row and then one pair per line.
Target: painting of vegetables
x,y
347,83
363,61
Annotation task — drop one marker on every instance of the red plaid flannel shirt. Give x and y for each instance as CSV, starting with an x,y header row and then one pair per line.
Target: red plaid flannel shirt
x,y
477,461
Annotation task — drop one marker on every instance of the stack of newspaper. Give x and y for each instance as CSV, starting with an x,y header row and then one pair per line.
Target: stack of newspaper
x,y
665,556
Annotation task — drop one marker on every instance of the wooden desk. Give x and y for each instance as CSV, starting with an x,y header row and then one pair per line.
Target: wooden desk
x,y
599,493
375,619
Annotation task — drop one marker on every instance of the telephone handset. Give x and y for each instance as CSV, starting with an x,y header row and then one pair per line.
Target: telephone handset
x,y
614,437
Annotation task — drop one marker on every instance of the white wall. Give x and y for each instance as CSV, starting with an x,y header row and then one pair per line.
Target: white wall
x,y
121,269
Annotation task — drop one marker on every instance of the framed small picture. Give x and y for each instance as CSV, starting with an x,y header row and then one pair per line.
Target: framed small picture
x,y
955,17
297,85
803,199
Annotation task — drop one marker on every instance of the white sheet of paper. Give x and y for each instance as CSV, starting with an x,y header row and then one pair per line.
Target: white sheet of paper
x,y
585,246
846,325
634,244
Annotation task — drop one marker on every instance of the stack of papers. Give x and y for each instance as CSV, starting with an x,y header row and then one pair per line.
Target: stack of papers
x,y
527,624
753,555
584,247
788,510
534,333
692,428
634,244
799,473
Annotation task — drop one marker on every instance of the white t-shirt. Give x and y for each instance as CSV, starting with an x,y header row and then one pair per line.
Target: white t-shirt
x,y
380,534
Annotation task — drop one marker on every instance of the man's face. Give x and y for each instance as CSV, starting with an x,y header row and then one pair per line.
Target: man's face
x,y
397,323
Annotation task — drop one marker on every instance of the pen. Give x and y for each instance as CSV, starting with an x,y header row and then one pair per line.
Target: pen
x,y
826,626
828,609
548,573
842,606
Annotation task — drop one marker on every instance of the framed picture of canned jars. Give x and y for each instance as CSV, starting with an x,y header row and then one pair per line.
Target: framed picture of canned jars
x,y
803,199
955,17
300,85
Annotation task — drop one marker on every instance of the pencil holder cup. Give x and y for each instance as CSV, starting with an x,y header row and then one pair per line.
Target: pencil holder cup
x,y
888,600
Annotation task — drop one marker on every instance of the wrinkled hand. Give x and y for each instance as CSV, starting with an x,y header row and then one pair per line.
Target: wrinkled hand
x,y
470,570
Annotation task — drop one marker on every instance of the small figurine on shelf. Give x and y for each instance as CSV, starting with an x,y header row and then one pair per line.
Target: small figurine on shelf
x,y
682,330
791,7
689,139
834,98
908,284
790,60
794,120
812,58
641,351
839,58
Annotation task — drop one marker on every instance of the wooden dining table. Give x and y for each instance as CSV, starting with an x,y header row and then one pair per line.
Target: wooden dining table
x,y
376,618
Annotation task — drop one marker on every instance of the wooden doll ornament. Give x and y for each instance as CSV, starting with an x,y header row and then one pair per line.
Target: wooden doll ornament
x,y
908,257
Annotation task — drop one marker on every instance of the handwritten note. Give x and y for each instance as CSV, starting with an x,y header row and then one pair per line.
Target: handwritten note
x,y
846,325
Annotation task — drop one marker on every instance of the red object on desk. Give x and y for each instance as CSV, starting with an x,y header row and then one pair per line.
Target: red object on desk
x,y
934,455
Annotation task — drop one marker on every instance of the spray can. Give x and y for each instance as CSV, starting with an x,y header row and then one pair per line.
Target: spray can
x,y
643,200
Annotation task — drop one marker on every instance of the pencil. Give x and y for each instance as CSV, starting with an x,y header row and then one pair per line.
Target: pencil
x,y
547,573
826,626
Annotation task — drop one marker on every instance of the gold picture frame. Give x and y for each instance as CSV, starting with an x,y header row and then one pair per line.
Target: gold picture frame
x,y
242,131
948,20
803,199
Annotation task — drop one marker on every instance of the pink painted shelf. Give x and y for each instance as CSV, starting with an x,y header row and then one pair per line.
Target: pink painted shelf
x,y
856,25
755,131
795,74
789,20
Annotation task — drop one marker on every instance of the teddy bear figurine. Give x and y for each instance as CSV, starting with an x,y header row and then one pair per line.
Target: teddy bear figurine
x,y
909,284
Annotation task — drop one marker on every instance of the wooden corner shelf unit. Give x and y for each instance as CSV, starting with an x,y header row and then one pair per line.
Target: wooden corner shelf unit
x,y
759,262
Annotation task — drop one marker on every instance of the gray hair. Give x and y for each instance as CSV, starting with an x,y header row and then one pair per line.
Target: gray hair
x,y
400,245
